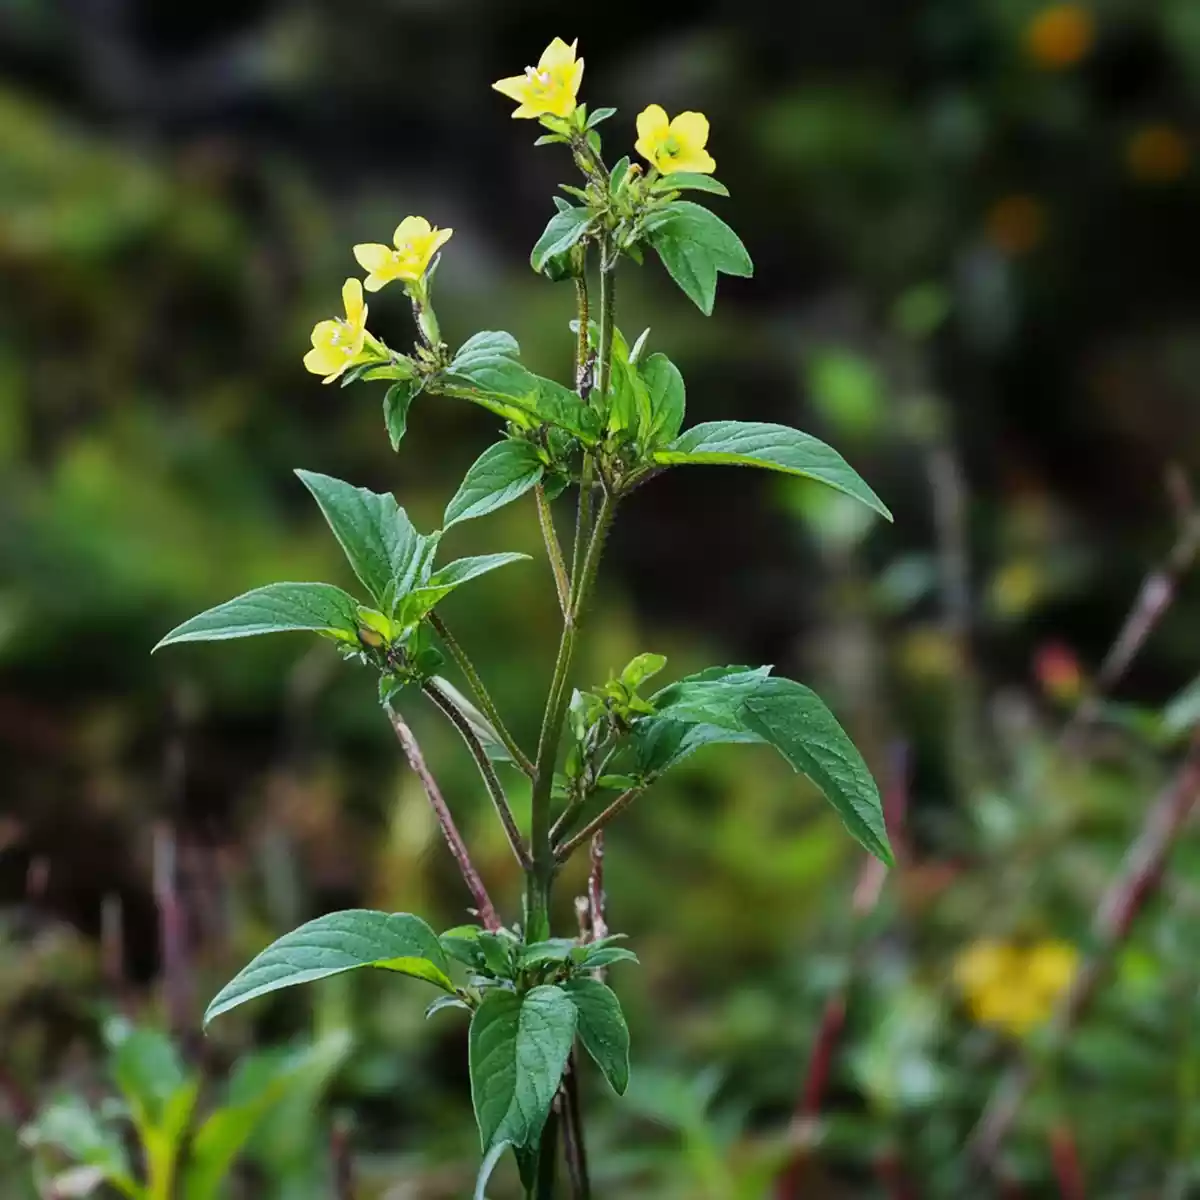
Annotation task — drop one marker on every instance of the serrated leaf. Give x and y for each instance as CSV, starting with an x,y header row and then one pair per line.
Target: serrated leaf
x,y
414,606
771,446
518,1051
562,231
276,608
501,474
330,945
694,245
396,402
682,181
602,1029
387,553
668,398
795,720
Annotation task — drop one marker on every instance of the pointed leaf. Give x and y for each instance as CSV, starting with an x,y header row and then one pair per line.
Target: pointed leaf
x,y
775,447
564,229
442,582
602,1029
500,475
387,553
795,720
682,181
396,402
518,1050
276,608
694,245
601,114
668,397
329,945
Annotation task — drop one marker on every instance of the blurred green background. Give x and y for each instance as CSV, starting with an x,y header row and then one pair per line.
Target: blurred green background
x,y
974,226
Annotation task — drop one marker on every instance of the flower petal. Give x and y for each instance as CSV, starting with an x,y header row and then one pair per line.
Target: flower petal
x,y
557,54
691,128
322,360
409,229
324,332
652,125
514,87
352,298
372,256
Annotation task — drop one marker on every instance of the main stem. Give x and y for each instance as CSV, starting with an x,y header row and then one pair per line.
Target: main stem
x,y
589,543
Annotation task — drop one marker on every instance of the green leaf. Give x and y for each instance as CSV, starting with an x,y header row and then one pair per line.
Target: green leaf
x,y
668,398
601,114
70,1126
602,1029
147,1068
616,176
795,720
260,1083
564,229
396,402
604,956
518,1050
694,245
414,606
701,700
329,945
682,181
500,475
387,553
774,447
640,668
462,944
483,729
551,950
443,1002
276,608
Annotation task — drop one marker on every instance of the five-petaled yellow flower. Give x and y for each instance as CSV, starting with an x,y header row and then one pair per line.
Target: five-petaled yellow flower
x,y
676,145
550,88
416,243
1014,987
338,343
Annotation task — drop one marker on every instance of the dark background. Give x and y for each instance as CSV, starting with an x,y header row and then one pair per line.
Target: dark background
x,y
975,262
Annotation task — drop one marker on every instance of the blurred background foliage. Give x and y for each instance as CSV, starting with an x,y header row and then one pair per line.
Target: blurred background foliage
x,y
974,228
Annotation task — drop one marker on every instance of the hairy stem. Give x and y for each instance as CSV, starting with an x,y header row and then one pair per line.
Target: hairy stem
x,y
416,760
622,802
490,779
558,564
486,703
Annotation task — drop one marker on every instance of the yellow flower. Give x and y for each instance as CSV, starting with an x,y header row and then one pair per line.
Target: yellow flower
x,y
416,243
1011,987
550,88
338,344
1059,36
676,145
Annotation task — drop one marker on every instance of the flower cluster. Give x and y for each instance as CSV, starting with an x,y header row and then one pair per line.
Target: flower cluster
x,y
1014,987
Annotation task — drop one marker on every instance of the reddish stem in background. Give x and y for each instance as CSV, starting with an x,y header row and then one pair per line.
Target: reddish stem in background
x,y
1068,1170
867,891
412,751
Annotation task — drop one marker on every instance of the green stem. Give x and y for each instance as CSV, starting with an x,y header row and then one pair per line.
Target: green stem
x,y
558,564
486,703
490,779
608,308
622,802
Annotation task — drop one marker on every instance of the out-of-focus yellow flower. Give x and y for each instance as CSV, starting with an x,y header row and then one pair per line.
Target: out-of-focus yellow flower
x,y
1060,36
674,145
1158,154
1012,987
1016,224
416,242
550,88
338,343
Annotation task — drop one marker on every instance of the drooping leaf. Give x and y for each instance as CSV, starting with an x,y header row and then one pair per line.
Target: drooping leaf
x,y
387,553
602,1028
795,720
518,1050
397,400
329,945
276,608
716,701
684,181
694,245
775,447
501,474
442,582
564,229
